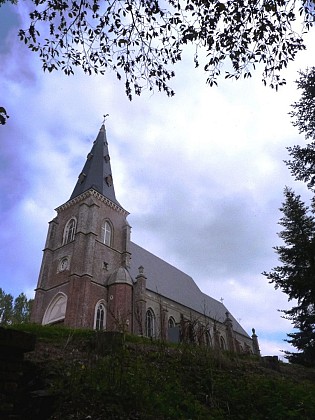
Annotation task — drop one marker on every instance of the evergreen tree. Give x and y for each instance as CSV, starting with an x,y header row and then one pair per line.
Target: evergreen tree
x,y
303,112
296,275
302,164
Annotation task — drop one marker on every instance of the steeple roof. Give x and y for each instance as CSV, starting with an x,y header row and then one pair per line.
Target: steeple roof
x,y
97,173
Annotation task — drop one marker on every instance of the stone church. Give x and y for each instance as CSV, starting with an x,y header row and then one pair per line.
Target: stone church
x,y
93,276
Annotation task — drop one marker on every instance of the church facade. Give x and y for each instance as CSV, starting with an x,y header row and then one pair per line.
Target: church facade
x,y
93,276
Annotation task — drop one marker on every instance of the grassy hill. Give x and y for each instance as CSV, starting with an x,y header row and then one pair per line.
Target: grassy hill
x,y
78,374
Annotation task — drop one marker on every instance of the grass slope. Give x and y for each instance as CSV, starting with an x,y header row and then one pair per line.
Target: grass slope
x,y
80,374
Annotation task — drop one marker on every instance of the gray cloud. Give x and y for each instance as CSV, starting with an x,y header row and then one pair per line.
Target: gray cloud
x,y
201,174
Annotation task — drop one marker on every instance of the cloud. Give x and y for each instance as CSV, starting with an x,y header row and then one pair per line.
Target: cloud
x,y
201,174
274,348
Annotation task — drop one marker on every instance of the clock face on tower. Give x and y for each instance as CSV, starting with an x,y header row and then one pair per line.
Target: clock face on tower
x,y
64,263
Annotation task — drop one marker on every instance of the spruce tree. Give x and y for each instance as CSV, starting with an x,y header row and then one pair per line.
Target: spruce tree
x,y
302,163
296,274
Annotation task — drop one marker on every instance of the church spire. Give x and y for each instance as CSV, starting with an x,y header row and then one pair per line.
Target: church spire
x,y
97,173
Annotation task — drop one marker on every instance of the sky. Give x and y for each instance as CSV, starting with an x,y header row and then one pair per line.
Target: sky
x,y
201,174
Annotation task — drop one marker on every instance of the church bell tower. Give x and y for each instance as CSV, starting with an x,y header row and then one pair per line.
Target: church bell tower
x,y
84,281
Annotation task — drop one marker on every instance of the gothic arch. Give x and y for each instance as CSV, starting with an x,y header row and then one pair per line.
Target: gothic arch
x,y
107,232
150,323
222,343
56,310
69,231
208,339
100,316
171,322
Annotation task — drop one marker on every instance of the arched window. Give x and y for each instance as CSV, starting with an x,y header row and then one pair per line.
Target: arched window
x,y
171,322
150,324
69,232
100,317
208,339
222,344
106,233
56,310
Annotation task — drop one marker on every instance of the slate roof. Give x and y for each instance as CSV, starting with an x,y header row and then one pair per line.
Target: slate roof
x,y
168,281
97,173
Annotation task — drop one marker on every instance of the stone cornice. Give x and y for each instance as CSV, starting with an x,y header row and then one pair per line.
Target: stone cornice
x,y
43,289
92,193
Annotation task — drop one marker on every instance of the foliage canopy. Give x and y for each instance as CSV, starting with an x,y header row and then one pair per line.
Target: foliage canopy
x,y
140,40
3,115
14,311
